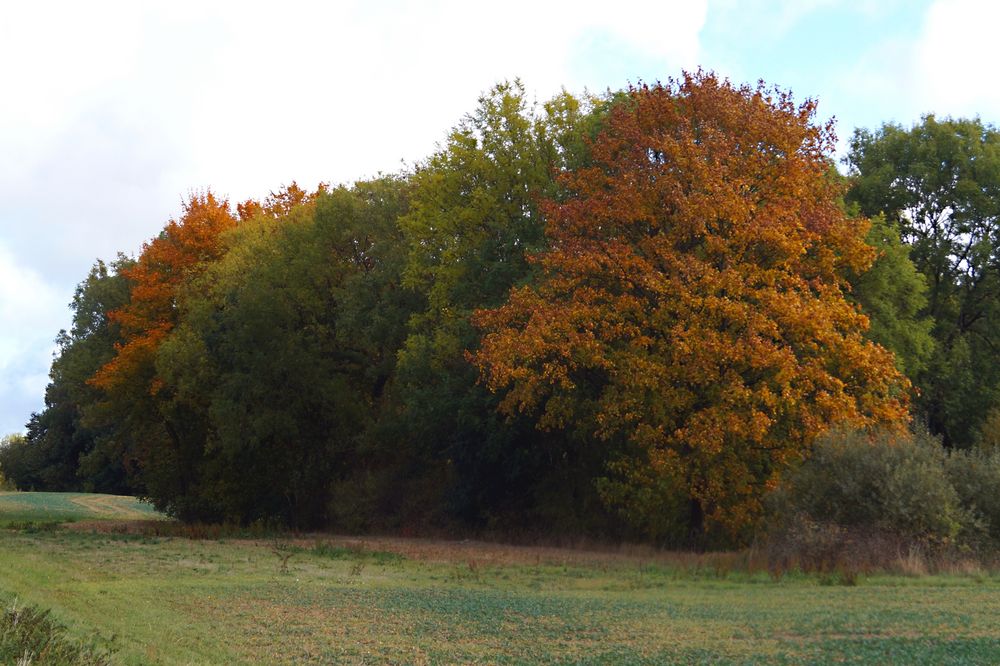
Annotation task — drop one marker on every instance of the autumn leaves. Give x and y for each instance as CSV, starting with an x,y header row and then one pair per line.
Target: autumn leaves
x,y
695,272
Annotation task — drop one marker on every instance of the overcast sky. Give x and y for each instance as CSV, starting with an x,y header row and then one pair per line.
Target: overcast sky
x,y
112,111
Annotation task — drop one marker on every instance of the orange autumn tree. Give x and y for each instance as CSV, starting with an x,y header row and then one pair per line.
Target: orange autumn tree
x,y
692,304
182,247
279,203
154,447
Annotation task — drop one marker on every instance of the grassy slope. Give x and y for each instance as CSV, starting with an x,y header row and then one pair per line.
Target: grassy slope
x,y
42,508
171,600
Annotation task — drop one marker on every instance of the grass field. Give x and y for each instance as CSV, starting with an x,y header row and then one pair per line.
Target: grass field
x,y
156,599
41,509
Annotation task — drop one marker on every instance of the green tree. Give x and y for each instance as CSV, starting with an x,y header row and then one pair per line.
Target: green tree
x,y
473,219
283,351
893,293
142,433
18,463
65,444
938,185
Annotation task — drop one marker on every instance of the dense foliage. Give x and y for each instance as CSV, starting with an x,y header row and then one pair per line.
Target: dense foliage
x,y
938,185
628,316
890,486
63,449
475,215
891,481
692,301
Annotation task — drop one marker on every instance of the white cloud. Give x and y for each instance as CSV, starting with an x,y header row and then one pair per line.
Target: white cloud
x,y
27,305
31,313
768,19
56,59
947,68
352,89
114,109
956,58
883,82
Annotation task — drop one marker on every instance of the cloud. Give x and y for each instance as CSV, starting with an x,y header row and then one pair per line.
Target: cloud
x,y
27,300
99,187
114,110
31,312
945,66
767,20
956,58
354,89
253,95
882,84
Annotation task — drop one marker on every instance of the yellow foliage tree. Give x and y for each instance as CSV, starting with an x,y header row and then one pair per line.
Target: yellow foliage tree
x,y
692,301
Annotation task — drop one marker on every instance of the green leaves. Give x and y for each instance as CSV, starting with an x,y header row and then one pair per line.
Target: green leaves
x,y
276,355
893,294
660,292
938,185
66,445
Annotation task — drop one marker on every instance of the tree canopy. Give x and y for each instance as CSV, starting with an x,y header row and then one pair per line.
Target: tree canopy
x,y
938,185
693,298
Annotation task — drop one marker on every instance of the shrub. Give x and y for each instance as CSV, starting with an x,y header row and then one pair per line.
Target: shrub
x,y
988,435
29,636
17,465
868,501
975,475
886,481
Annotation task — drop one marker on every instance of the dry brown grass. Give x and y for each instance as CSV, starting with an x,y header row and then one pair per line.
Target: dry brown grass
x,y
474,554
144,527
836,553
849,552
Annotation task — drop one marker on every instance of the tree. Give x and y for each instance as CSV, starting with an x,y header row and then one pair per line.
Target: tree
x,y
893,294
6,483
693,301
150,445
58,451
474,215
165,262
938,185
66,443
19,463
283,351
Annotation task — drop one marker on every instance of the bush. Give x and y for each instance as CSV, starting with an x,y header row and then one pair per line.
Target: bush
x,y
988,436
29,636
975,475
887,482
17,466
870,500
6,442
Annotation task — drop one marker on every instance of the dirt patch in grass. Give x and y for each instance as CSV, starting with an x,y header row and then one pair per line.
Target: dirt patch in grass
x,y
475,554
113,506
478,554
137,527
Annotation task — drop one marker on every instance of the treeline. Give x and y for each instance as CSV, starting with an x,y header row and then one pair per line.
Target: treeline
x,y
626,316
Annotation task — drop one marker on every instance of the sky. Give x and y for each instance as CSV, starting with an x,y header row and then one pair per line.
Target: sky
x,y
111,112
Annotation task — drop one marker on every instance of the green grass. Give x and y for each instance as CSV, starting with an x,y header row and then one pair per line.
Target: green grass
x,y
48,509
179,601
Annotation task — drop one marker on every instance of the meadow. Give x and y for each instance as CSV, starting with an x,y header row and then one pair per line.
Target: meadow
x,y
139,589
